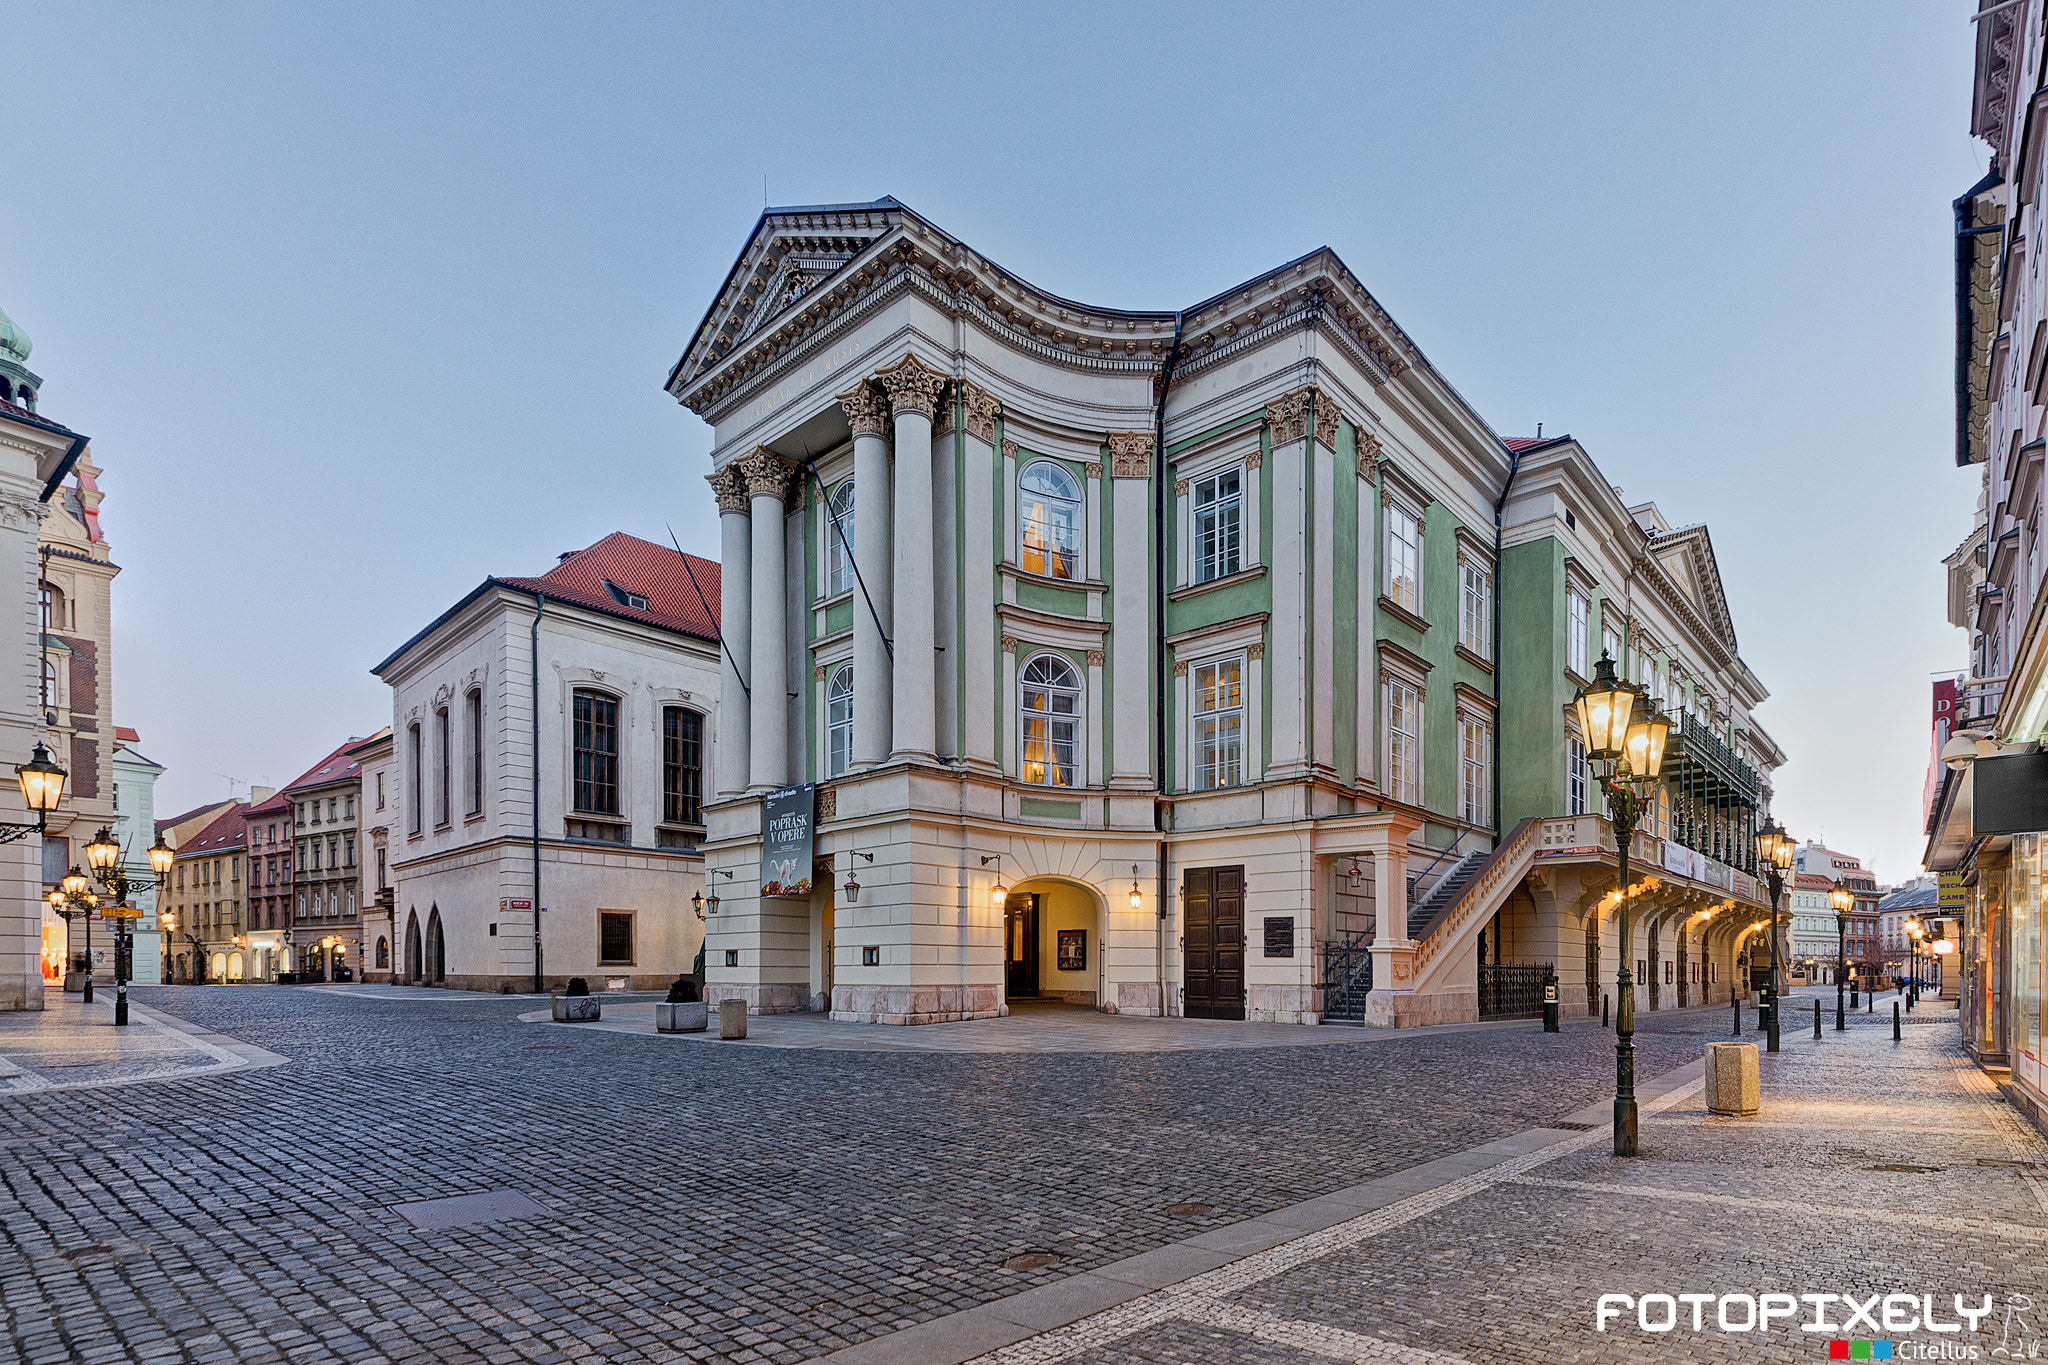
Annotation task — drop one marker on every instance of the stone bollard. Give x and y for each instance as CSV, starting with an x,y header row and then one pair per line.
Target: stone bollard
x,y
732,1019
1733,1086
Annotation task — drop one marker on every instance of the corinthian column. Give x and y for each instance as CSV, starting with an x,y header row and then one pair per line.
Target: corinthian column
x,y
767,476
914,388
867,414
735,611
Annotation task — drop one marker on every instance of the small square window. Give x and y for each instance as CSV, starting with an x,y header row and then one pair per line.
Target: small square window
x,y
871,956
732,957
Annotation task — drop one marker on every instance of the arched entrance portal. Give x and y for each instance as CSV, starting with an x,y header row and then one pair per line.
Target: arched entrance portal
x,y
413,956
1052,944
437,961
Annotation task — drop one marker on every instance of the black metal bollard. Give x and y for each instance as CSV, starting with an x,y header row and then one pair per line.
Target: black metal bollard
x,y
1736,1001
1603,1009
1870,1004
1895,1021
1816,1021
1840,1022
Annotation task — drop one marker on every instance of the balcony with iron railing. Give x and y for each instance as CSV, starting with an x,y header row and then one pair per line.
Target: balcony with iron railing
x,y
1703,746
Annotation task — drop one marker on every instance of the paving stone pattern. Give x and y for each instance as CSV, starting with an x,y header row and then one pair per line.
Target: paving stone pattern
x,y
712,1203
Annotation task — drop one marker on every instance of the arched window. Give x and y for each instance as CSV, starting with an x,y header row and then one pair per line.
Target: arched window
x,y
838,537
1050,702
383,952
839,721
1050,524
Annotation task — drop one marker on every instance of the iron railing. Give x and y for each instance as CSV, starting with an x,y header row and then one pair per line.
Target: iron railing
x,y
1513,990
1347,978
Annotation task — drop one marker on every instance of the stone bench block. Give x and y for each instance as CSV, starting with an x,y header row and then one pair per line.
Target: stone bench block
x,y
1733,1082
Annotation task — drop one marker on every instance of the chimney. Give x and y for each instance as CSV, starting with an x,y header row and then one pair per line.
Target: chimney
x,y
258,795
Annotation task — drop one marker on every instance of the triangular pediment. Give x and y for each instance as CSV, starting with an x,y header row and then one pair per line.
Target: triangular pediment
x,y
1687,557
790,252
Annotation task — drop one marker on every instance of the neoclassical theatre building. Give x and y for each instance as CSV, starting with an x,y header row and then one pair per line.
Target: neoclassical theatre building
x,y
1211,663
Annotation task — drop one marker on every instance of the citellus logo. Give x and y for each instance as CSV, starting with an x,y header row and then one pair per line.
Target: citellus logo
x,y
1859,1350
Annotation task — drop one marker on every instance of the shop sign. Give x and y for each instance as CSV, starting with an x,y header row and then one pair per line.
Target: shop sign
x,y
1954,895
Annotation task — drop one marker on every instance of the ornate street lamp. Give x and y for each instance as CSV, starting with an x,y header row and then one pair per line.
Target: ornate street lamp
x,y
852,887
1843,900
102,853
1774,853
1624,737
42,787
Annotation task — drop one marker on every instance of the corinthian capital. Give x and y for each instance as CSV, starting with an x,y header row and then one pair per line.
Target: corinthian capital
x,y
866,411
730,487
912,385
1288,415
1130,454
766,473
982,411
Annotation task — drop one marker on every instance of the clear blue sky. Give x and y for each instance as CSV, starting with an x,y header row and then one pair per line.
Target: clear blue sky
x,y
362,303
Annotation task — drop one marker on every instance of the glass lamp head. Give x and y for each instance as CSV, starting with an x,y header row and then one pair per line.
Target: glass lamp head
x,y
74,882
102,853
161,856
1648,731
1605,706
42,782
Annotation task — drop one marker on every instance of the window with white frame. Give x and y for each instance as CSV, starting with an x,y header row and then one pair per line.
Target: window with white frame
x,y
1576,778
1661,814
1218,505
838,540
1049,721
1475,605
1578,620
1049,525
1218,720
1475,767
1610,645
1403,704
1404,558
839,721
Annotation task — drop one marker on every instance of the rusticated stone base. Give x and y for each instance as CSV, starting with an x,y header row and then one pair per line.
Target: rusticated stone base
x,y
914,1004
784,998
1135,997
21,991
1281,1005
1401,1009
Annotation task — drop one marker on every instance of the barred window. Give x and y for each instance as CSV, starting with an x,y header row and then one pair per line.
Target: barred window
x,y
597,752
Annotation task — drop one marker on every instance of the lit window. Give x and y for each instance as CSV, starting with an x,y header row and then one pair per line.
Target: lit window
x,y
1051,520
839,722
1475,606
1475,757
1218,525
838,542
596,753
1404,558
1219,724
1050,722
1404,742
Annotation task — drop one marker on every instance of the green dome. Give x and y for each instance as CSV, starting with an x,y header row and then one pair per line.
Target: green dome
x,y
14,343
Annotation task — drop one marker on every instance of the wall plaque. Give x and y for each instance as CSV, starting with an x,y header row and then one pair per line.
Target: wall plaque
x,y
1279,935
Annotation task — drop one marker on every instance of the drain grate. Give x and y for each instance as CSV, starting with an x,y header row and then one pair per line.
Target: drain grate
x,y
1570,1127
1187,1210
1903,1169
492,1206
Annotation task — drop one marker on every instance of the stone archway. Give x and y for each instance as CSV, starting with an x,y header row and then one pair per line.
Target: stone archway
x,y
415,967
436,948
1062,922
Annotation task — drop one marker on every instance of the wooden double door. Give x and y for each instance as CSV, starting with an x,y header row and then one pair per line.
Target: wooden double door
x,y
1212,951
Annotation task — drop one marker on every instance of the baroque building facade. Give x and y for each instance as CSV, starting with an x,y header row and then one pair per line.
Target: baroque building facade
x,y
1154,661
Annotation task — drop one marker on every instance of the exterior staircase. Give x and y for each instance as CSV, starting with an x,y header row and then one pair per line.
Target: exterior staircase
x,y
1453,881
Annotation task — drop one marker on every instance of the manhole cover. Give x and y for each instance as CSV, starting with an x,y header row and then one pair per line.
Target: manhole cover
x,y
1904,1170
489,1207
1030,1260
1187,1210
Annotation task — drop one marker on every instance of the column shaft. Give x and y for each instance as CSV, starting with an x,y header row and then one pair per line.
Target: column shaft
x,y
768,759
730,738
872,676
916,675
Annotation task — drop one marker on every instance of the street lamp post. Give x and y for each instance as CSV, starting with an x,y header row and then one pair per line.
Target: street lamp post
x,y
103,855
1843,900
1914,933
1774,850
1624,737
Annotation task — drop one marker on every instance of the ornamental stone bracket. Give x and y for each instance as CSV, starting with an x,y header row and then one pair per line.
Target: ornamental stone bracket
x,y
730,486
1130,454
912,385
867,412
767,474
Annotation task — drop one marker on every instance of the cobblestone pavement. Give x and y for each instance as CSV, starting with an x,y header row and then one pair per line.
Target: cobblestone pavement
x,y
1874,1168
775,1204
72,1045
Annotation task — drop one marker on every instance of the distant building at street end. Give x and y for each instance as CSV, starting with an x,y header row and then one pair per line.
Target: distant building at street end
x,y
379,792
135,779
1813,930
269,820
327,886
1865,959
209,907
610,661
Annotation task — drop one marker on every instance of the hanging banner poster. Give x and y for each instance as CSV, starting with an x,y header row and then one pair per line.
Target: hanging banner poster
x,y
788,818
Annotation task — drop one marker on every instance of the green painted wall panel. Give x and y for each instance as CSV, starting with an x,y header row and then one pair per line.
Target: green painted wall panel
x,y
1041,597
1533,689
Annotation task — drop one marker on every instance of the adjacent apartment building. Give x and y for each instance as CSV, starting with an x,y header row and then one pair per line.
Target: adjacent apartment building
x,y
1212,662
551,738
327,890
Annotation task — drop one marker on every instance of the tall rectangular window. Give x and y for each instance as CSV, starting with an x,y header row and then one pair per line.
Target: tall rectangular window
x,y
413,766
380,791
839,721
1575,776
380,870
838,541
1404,558
682,766
441,791
1475,763
1475,606
1219,724
473,759
1610,645
597,753
1578,622
1404,742
1218,514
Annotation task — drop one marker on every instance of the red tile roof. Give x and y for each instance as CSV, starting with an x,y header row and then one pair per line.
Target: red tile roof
x,y
163,825
1811,881
34,419
644,569
336,767
1519,444
230,830
123,733
276,804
